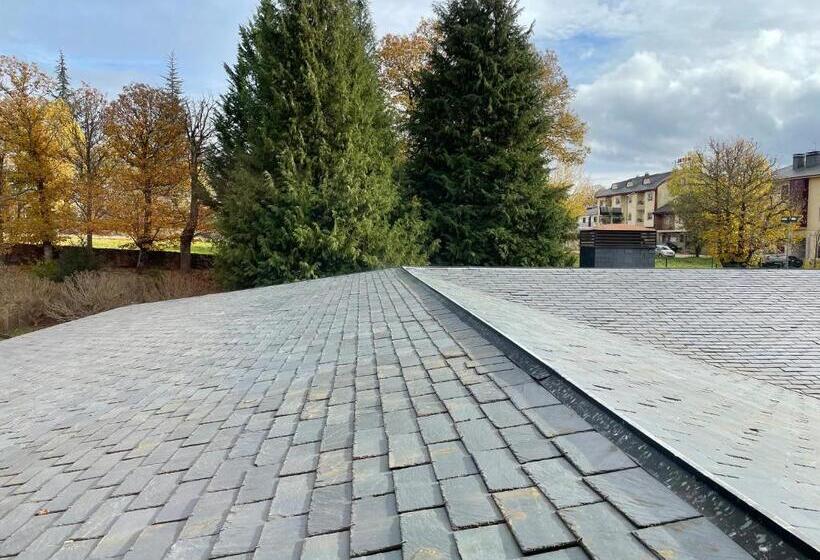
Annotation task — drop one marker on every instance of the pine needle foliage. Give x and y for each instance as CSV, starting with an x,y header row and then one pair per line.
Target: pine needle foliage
x,y
305,164
478,143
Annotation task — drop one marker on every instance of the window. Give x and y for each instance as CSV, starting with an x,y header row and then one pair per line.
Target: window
x,y
630,184
649,196
617,200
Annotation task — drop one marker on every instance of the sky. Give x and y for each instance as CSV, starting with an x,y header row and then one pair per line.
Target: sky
x,y
654,78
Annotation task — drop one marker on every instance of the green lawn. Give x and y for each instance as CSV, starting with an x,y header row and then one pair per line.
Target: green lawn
x,y
117,242
686,262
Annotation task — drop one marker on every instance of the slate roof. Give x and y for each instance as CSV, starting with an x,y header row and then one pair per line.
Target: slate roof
x,y
358,416
641,183
790,172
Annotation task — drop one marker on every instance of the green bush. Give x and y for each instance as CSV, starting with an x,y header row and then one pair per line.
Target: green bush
x,y
69,263
47,270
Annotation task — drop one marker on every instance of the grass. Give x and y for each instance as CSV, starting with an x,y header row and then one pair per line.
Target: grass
x,y
28,303
199,247
686,262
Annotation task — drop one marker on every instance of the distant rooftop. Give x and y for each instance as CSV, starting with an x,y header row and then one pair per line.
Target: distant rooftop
x,y
637,184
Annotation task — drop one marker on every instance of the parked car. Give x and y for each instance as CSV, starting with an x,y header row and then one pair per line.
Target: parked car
x,y
664,251
779,261
672,245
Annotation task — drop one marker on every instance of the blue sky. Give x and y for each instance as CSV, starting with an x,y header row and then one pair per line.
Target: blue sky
x,y
654,77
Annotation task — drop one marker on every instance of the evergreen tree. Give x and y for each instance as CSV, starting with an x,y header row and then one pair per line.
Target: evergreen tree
x,y
477,149
173,82
63,80
306,152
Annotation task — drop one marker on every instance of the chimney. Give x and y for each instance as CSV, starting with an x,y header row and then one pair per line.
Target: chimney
x,y
812,159
799,161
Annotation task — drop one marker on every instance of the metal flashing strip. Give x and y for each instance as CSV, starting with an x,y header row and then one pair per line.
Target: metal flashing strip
x,y
763,535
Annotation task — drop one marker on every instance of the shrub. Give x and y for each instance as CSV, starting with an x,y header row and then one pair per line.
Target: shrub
x,y
71,261
47,270
29,301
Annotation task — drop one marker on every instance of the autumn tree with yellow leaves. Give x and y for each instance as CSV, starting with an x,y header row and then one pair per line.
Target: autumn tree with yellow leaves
x,y
727,192
146,131
35,132
90,154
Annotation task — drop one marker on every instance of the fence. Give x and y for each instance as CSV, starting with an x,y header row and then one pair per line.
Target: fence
x,y
111,258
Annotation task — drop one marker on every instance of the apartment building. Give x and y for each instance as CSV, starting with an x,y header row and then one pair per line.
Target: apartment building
x,y
801,183
643,201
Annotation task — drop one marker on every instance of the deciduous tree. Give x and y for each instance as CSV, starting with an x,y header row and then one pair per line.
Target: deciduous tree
x,y
90,153
727,193
306,150
35,132
478,142
147,135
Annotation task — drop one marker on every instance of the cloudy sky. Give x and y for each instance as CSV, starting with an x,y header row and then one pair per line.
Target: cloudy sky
x,y
654,77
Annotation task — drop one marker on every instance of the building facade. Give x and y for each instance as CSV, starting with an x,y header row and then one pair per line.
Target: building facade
x,y
801,184
644,201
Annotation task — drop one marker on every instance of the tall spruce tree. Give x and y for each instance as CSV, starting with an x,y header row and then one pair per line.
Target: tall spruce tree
x,y
63,80
477,143
304,169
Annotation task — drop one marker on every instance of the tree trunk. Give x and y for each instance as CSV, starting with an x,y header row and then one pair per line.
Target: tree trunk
x,y
147,217
2,198
45,219
186,239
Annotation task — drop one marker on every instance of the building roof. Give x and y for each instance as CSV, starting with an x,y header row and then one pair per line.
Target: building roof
x,y
787,173
636,184
666,209
363,416
621,227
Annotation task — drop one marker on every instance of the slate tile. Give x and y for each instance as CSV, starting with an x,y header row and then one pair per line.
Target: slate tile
x,y
85,505
486,392
121,535
371,477
437,428
462,409
400,422
182,502
29,530
230,474
533,521
47,543
293,495
641,498
98,523
487,543
330,509
154,542
450,390
75,550
500,470
451,460
197,548
427,534
468,502
561,483
592,453
395,402
417,488
337,436
272,452
308,431
604,532
557,420
247,445
510,377
335,546
530,395
406,450
136,481
503,414
283,426
259,484
375,525
427,405
205,465
369,443
242,529
282,538
301,459
480,435
527,444
208,514
693,539
335,467
156,492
